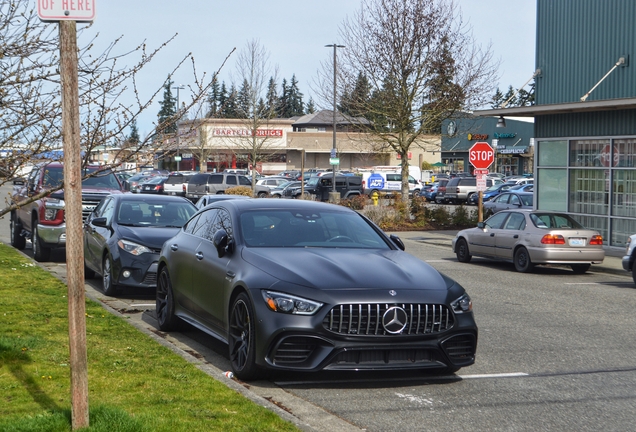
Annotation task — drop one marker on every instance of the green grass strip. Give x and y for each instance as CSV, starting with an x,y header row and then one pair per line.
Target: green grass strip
x,y
135,384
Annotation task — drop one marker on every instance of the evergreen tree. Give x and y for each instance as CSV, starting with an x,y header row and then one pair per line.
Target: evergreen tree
x,y
497,99
230,108
222,101
311,107
243,107
213,99
510,97
133,138
271,103
283,102
167,112
295,98
352,104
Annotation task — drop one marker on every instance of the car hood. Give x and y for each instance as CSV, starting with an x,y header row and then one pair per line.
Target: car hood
x,y
152,237
335,268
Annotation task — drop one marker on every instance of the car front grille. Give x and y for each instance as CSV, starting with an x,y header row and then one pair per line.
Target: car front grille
x,y
366,319
392,358
88,205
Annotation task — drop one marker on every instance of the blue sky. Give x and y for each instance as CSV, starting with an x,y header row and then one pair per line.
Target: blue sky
x,y
294,32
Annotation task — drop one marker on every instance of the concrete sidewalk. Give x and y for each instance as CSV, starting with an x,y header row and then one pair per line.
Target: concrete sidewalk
x,y
611,264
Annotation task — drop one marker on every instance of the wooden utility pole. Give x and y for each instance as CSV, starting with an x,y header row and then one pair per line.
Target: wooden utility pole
x,y
73,210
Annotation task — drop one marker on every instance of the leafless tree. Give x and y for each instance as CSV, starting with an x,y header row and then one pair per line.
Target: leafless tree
x,y
422,66
254,71
30,108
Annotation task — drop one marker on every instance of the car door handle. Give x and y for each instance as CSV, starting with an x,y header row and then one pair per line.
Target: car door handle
x,y
515,236
174,247
199,255
492,234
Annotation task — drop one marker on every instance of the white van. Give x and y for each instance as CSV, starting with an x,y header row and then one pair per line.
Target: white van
x,y
386,183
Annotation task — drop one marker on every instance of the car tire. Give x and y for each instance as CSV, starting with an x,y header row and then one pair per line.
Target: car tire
x,y
262,195
40,253
164,309
110,287
242,345
522,261
462,252
634,272
17,241
580,268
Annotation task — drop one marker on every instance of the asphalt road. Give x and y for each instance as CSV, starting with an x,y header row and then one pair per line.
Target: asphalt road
x,y
556,351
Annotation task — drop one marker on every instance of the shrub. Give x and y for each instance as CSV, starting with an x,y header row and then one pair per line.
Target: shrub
x,y
357,202
240,190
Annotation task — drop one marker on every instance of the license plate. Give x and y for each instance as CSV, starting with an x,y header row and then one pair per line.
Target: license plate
x,y
577,242
173,193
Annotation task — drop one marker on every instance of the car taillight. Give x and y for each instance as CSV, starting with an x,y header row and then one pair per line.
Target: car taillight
x,y
158,187
553,239
184,188
596,240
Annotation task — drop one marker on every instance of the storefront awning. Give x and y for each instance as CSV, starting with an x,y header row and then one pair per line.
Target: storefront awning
x,y
564,108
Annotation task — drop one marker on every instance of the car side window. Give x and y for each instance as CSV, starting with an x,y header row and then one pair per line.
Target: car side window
x,y
244,181
215,179
231,180
496,220
514,199
516,221
204,224
503,198
190,226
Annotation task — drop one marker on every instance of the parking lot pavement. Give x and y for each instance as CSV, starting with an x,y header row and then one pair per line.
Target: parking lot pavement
x,y
611,264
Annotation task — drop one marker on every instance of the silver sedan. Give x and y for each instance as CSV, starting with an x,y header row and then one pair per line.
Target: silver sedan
x,y
527,237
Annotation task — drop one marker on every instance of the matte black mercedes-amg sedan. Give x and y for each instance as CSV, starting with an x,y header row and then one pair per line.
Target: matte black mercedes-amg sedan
x,y
306,286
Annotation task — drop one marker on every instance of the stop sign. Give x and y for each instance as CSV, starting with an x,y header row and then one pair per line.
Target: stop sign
x,y
481,155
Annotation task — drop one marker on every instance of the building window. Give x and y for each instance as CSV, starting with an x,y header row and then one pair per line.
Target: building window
x,y
624,193
553,189
589,153
552,154
589,191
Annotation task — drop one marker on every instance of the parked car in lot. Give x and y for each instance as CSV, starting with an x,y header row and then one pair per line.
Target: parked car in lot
x,y
175,185
510,200
524,187
630,256
285,189
459,189
132,183
527,238
210,183
320,187
154,185
296,285
273,181
124,234
212,198
440,196
489,193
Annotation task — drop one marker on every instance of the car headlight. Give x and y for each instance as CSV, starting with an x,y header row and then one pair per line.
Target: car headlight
x,y
132,248
627,243
285,303
463,304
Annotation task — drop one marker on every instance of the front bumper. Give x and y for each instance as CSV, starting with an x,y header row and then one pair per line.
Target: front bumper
x,y
627,265
304,343
137,271
52,235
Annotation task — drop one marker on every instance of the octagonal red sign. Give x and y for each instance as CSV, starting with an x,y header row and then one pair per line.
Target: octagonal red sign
x,y
481,155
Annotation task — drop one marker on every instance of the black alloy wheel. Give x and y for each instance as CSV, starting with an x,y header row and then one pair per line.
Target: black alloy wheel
x,y
110,287
462,252
164,309
522,261
241,339
17,241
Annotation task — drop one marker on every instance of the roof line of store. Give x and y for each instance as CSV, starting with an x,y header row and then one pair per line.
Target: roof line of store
x,y
564,108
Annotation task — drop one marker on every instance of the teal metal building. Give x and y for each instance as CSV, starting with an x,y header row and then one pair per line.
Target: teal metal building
x,y
585,113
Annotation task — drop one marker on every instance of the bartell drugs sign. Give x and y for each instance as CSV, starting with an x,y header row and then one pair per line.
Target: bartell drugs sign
x,y
229,132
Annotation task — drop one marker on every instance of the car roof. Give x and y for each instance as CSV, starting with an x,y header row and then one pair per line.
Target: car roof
x,y
148,197
275,204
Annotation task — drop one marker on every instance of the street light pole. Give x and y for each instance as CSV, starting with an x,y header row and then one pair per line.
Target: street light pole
x,y
178,157
333,149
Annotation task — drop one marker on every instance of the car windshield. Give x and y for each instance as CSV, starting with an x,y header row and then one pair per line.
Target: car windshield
x,y
300,228
155,213
554,221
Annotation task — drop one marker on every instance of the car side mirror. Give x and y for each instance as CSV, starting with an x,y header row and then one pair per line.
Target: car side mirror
x,y
398,241
222,243
481,225
100,222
